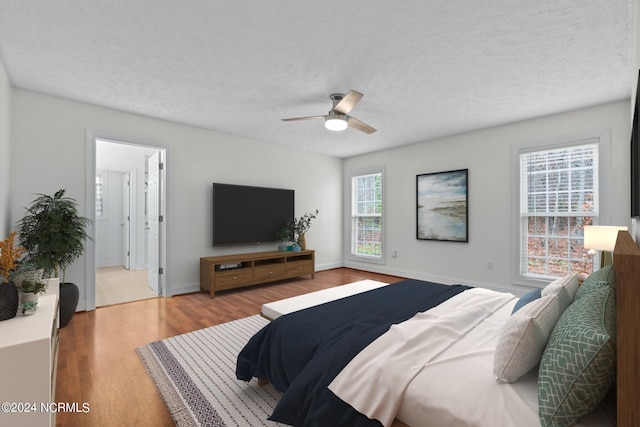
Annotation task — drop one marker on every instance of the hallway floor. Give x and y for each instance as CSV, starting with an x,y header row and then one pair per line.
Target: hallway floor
x,y
116,285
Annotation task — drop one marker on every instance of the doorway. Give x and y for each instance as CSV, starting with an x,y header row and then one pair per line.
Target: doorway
x,y
128,239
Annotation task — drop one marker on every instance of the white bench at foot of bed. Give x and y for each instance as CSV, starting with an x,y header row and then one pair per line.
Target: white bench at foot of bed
x,y
275,309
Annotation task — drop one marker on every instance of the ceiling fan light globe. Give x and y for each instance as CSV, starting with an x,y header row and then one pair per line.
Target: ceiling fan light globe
x,y
335,124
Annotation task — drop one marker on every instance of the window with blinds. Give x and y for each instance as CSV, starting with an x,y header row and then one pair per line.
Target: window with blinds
x,y
366,216
100,204
558,197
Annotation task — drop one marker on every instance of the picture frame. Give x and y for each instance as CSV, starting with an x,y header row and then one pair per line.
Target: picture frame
x,y
442,206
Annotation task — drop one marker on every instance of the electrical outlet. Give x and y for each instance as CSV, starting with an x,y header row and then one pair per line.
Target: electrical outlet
x,y
490,265
394,254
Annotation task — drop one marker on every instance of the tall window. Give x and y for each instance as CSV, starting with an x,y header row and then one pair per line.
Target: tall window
x,y
101,212
558,197
366,216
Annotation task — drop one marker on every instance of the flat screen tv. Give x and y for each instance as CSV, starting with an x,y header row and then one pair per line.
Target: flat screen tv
x,y
246,215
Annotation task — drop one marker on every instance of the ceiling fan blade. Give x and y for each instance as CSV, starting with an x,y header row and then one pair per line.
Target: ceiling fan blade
x,y
348,102
305,118
361,126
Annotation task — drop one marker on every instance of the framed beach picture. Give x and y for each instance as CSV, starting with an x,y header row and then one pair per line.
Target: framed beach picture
x,y
442,202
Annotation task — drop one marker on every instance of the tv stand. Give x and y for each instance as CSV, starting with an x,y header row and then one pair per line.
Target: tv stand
x,y
253,269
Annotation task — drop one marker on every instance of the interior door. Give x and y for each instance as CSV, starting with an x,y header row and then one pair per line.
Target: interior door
x,y
126,221
154,217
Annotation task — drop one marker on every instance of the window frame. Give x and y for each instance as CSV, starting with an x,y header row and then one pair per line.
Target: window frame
x,y
102,196
602,138
352,237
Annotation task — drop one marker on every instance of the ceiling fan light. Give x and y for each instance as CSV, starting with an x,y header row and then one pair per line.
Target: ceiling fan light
x,y
335,124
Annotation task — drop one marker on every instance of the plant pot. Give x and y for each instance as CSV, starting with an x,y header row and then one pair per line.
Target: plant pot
x,y
29,297
69,296
8,301
302,241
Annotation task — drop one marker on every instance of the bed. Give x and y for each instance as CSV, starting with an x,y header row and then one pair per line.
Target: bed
x,y
371,361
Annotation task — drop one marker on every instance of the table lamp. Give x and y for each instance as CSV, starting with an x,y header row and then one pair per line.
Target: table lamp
x,y
602,238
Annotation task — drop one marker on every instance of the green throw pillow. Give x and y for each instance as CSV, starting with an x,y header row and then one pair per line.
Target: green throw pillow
x,y
605,274
577,368
589,287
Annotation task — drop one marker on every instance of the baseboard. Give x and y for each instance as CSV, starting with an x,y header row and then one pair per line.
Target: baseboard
x,y
184,289
109,263
447,280
373,268
329,266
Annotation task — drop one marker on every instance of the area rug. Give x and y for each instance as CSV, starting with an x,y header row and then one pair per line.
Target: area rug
x,y
195,374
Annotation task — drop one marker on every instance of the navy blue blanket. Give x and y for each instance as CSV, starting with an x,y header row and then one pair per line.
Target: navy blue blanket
x,y
302,352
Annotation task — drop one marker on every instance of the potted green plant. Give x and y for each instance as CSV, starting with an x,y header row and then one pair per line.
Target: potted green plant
x,y
37,287
29,307
31,291
301,226
53,233
285,236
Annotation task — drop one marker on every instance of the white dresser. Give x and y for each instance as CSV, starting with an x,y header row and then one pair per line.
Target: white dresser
x,y
28,364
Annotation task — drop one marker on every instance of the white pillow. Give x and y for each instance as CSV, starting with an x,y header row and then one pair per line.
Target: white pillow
x,y
565,287
523,338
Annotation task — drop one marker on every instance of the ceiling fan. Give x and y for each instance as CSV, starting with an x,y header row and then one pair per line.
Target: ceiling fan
x,y
337,118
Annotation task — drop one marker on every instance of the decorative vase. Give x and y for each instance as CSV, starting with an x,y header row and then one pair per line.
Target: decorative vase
x,y
29,308
302,242
8,301
28,311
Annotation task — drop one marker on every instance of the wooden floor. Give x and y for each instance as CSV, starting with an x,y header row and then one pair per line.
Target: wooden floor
x,y
98,364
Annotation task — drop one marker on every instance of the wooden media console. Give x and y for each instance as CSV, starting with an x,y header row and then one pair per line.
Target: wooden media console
x,y
218,273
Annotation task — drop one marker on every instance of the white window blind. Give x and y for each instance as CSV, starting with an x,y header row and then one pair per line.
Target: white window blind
x,y
366,214
558,197
100,211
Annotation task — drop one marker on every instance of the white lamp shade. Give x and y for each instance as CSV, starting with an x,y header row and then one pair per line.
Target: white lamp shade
x,y
335,124
601,237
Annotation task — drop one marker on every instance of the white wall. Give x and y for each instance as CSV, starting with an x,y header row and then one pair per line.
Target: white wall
x,y
5,164
48,152
487,155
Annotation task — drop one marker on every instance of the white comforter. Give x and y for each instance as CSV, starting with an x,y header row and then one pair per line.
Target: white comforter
x,y
374,382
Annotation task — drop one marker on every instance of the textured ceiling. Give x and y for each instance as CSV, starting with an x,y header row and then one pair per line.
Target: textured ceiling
x,y
427,68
